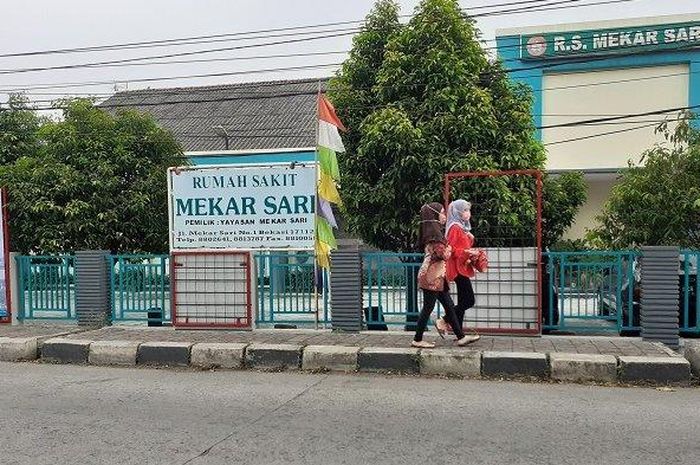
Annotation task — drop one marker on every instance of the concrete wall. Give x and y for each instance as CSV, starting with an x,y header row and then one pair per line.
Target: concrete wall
x,y
660,86
598,192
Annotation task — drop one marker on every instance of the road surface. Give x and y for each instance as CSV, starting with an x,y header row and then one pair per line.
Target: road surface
x,y
66,415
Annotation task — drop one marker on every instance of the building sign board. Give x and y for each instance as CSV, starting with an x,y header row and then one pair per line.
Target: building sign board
x,y
679,36
238,207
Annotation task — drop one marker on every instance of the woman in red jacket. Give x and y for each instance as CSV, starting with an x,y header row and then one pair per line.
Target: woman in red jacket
x,y
459,268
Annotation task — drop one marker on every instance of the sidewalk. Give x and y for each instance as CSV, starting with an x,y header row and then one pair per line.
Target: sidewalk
x,y
560,358
399,339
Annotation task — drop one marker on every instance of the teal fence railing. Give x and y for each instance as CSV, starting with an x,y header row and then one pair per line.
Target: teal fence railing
x,y
46,287
288,292
591,290
581,291
390,292
140,287
689,320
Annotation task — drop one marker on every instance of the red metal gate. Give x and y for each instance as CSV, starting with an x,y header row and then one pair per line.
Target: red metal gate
x,y
509,294
211,289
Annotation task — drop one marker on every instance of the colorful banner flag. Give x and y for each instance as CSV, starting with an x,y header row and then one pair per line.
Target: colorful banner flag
x,y
329,143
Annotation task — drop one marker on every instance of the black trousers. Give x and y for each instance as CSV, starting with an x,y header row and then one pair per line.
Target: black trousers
x,y
429,299
465,297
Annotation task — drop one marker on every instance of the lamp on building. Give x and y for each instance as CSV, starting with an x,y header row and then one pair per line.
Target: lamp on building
x,y
221,132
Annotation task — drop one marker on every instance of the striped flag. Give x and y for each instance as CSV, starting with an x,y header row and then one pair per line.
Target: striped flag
x,y
329,143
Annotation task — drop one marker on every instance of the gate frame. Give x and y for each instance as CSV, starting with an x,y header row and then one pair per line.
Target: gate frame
x,y
7,319
173,290
538,176
119,258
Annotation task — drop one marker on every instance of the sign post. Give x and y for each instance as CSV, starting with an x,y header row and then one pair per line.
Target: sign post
x,y
218,216
5,298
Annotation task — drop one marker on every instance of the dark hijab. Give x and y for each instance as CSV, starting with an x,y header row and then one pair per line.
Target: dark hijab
x,y
430,227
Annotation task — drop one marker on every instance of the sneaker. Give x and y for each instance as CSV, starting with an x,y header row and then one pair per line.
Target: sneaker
x,y
468,339
423,344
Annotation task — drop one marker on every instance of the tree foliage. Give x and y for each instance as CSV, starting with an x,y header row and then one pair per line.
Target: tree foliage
x,y
19,128
657,203
89,181
421,100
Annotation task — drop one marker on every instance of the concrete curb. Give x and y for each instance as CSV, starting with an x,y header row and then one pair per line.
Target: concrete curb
x,y
514,364
119,353
463,363
330,358
175,354
60,350
692,354
658,370
16,349
450,362
274,356
212,355
583,367
389,360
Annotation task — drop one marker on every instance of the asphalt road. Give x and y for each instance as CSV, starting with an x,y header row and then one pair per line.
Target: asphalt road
x,y
69,415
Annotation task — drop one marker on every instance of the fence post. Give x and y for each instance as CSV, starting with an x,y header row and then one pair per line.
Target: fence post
x,y
346,289
660,302
14,288
92,285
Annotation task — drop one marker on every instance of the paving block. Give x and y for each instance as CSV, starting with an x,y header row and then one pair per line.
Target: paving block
x,y
388,359
583,367
659,370
121,353
692,354
60,350
332,358
514,364
14,349
176,354
451,362
221,355
274,356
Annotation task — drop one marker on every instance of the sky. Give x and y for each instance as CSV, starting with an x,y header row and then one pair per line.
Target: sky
x,y
40,25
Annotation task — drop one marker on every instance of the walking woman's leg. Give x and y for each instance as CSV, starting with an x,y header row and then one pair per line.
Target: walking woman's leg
x,y
429,298
450,315
465,297
460,308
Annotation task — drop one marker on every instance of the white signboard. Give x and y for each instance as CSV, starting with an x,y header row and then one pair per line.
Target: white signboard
x,y
242,207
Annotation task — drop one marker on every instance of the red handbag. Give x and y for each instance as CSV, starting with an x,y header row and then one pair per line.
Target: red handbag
x,y
479,260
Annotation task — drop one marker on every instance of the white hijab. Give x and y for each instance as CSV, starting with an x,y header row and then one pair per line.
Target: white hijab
x,y
454,215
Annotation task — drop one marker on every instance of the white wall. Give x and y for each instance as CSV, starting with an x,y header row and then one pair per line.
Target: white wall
x,y
598,193
660,87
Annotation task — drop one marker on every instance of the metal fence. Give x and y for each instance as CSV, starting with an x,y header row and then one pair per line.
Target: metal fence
x,y
591,290
689,320
140,288
288,292
581,291
390,289
46,287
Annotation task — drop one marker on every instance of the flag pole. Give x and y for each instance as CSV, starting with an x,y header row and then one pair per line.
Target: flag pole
x,y
316,280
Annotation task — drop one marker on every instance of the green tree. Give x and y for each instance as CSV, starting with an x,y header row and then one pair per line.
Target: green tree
x,y
96,181
657,203
18,130
422,100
